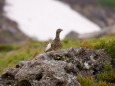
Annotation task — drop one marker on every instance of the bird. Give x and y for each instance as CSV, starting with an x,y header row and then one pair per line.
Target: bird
x,y
56,43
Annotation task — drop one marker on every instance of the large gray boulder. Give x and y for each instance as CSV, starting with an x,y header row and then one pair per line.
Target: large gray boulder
x,y
107,31
56,68
104,32
72,35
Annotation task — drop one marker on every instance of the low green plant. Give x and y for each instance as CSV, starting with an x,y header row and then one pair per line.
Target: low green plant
x,y
108,76
90,81
8,47
107,66
87,81
70,43
109,3
108,45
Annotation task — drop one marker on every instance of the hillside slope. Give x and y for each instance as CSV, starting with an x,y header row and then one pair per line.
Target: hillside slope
x,y
100,12
9,31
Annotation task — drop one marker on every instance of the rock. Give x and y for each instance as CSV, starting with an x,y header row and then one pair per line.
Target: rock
x,y
9,31
91,9
110,29
104,32
56,68
72,35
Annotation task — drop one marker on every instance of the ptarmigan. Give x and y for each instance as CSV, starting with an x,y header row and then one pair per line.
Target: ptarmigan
x,y
56,43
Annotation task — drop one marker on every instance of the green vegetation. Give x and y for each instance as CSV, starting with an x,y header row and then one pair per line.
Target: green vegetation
x,y
109,3
8,47
107,66
90,81
12,54
106,78
108,45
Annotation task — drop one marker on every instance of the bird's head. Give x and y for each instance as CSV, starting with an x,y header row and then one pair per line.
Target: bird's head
x,y
59,30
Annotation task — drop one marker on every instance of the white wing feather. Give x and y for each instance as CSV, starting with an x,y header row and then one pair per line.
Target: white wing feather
x,y
48,47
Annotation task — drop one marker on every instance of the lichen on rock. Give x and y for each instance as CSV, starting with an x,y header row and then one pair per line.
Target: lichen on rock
x,y
56,68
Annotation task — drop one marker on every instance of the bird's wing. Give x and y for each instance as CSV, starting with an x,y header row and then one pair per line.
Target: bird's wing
x,y
48,47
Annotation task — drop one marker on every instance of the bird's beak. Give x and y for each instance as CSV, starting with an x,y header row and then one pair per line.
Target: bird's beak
x,y
61,30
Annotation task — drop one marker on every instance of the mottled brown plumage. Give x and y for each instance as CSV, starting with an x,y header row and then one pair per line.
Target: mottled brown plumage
x,y
56,43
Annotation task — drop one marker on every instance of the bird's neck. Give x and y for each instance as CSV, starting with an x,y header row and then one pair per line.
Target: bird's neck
x,y
57,36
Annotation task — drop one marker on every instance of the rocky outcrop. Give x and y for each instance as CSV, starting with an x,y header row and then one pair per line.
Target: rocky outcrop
x,y
91,9
56,68
9,31
104,32
72,35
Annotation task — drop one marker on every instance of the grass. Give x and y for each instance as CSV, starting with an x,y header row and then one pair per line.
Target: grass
x,y
8,47
108,3
12,54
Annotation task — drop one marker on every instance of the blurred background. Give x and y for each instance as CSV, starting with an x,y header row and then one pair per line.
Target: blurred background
x,y
39,19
